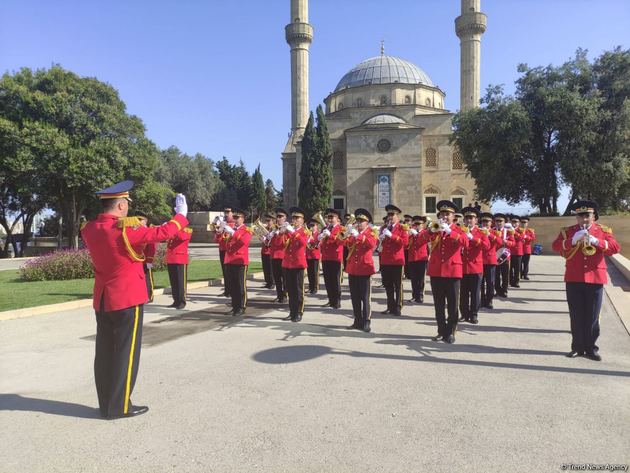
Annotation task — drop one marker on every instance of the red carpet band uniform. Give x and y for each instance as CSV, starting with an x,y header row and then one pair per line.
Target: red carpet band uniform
x,y
278,244
237,261
418,254
502,274
266,252
294,263
313,256
177,264
220,237
115,243
529,237
489,260
517,251
331,247
394,239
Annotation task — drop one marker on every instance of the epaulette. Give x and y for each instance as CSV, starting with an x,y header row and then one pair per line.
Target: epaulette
x,y
606,229
124,222
188,230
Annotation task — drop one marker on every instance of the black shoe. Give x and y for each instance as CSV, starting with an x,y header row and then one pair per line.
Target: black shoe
x,y
327,304
172,305
412,300
517,285
132,412
181,305
238,312
437,338
355,325
366,326
282,300
526,278
574,354
223,294
419,300
474,320
463,319
385,312
450,339
288,317
490,306
396,313
337,306
595,356
297,318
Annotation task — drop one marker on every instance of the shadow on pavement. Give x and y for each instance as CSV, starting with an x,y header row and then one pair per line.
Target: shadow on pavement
x,y
16,402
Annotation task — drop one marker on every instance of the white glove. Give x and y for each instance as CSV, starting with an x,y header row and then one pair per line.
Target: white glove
x,y
593,240
469,235
446,228
578,236
290,229
181,207
149,265
413,231
387,233
354,233
509,226
229,229
325,233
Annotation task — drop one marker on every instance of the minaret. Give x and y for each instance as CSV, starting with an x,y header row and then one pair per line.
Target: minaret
x,y
299,35
469,28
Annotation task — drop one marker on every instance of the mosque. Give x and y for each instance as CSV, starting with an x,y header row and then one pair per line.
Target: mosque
x,y
388,125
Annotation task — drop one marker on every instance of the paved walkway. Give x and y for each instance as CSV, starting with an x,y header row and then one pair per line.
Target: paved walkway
x,y
260,394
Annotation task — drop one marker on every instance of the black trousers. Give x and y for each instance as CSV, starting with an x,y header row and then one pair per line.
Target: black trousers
x,y
279,278
226,288
148,277
313,275
360,294
118,342
236,275
525,266
178,276
501,278
346,251
487,284
515,270
470,295
585,304
392,278
445,294
332,280
407,274
267,272
417,272
295,288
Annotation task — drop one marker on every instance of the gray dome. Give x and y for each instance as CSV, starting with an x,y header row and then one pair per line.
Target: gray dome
x,y
384,70
383,118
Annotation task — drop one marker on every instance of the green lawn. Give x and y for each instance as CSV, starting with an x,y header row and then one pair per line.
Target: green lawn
x,y
17,294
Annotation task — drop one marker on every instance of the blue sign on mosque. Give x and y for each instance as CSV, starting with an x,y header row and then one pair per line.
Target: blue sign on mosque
x,y
384,190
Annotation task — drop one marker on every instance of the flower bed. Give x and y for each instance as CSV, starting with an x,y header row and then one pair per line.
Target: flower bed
x,y
58,265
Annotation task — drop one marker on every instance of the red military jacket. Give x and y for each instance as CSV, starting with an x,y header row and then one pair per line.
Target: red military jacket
x,y
446,253
332,247
265,249
177,247
278,243
393,248
115,246
312,246
222,237
529,237
237,246
295,253
360,261
582,268
418,247
495,242
149,252
517,249
472,255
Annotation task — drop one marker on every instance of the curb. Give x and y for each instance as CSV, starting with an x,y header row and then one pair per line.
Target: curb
x,y
81,303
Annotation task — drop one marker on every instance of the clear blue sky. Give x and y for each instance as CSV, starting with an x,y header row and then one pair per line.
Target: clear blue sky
x,y
212,76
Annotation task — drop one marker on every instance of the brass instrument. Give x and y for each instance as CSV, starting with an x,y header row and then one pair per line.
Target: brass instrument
x,y
320,219
435,226
464,228
381,238
348,226
259,229
484,230
217,222
587,248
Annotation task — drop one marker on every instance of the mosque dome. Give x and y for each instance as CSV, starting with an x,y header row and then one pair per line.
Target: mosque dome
x,y
383,118
383,70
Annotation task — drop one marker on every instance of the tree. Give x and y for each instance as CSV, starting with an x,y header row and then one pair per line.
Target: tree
x,y
237,184
258,198
308,176
272,199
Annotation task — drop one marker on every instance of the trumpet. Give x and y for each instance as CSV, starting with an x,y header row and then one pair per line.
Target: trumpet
x,y
381,237
218,221
349,226
259,229
320,219
435,226
587,248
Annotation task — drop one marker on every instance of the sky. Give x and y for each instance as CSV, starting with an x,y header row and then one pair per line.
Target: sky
x,y
213,76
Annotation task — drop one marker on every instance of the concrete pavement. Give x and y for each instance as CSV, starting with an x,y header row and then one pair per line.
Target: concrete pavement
x,y
260,394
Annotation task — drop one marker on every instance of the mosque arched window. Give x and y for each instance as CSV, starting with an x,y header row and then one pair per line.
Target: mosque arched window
x,y
383,100
428,102
430,158
458,162
340,106
338,160
359,102
407,99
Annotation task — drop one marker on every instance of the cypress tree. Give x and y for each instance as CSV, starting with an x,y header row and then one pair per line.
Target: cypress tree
x,y
308,174
258,197
323,174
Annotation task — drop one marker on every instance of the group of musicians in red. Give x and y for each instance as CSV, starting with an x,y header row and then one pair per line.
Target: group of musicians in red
x,y
467,262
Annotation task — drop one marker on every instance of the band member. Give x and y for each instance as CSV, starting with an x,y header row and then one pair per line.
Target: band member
x,y
458,219
394,238
418,258
445,268
517,250
115,244
379,251
346,219
503,263
489,260
529,236
294,263
360,268
313,255
279,239
266,251
177,264
149,253
407,220
220,237
331,247
237,261
472,265
584,246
